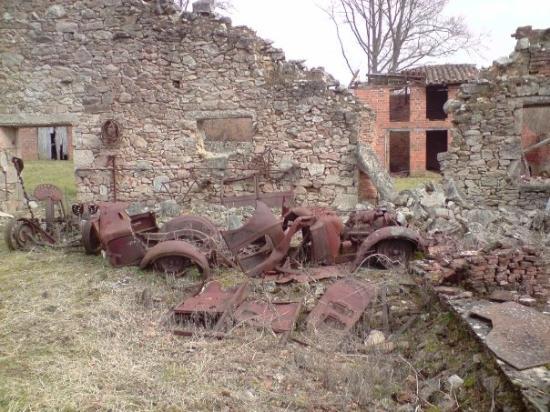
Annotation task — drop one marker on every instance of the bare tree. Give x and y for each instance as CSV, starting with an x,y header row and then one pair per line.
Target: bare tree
x,y
398,34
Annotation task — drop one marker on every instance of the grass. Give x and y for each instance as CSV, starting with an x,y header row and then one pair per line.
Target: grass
x,y
75,334
408,183
59,173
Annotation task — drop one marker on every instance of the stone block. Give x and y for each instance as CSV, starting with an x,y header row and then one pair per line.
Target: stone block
x,y
56,11
315,169
66,27
83,158
158,183
345,202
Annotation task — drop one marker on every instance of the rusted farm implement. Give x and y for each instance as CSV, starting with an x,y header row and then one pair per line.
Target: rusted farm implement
x,y
55,228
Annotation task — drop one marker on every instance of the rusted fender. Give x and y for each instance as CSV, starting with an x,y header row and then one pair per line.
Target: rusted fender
x,y
390,232
177,248
262,223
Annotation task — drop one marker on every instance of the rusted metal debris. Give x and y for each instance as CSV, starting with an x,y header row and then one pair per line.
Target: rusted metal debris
x,y
214,304
260,245
284,275
137,240
213,300
279,316
341,306
520,335
396,243
263,243
56,229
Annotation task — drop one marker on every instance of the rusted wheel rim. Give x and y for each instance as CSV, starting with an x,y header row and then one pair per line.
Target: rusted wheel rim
x,y
25,236
172,265
90,240
197,230
397,252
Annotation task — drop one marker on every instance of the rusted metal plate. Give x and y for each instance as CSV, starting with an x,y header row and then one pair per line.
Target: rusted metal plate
x,y
213,300
520,335
280,317
325,239
309,274
341,306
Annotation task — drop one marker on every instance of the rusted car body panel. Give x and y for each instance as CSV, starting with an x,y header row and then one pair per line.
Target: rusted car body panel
x,y
326,241
341,306
274,243
213,299
262,223
279,316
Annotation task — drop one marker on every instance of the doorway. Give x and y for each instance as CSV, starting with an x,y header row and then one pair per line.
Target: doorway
x,y
400,152
436,142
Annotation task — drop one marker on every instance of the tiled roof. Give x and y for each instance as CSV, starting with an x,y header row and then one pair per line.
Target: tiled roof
x,y
444,73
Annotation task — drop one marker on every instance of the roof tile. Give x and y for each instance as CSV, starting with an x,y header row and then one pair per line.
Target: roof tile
x,y
445,73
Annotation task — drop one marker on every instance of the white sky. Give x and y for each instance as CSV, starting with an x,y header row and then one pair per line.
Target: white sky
x,y
304,32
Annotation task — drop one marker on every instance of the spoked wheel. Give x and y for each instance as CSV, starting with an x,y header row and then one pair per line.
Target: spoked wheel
x,y
172,265
394,252
10,234
196,230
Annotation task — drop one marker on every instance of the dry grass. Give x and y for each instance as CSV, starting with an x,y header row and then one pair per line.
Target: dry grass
x,y
75,335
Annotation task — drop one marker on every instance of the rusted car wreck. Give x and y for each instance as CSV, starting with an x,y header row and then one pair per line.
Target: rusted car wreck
x,y
265,242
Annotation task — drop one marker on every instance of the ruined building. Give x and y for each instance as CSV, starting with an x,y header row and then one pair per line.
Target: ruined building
x,y
162,102
411,127
498,120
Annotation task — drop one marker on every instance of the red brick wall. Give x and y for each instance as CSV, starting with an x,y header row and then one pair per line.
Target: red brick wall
x,y
537,159
378,98
27,142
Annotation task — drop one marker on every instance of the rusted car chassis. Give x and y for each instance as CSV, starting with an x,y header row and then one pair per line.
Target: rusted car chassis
x,y
135,240
263,244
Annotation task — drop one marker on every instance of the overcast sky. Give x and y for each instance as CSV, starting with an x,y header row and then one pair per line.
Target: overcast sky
x,y
304,32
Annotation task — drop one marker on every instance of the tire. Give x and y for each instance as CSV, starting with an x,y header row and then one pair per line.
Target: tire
x,y
90,239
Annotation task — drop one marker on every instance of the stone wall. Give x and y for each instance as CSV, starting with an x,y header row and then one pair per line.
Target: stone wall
x,y
485,158
160,75
10,192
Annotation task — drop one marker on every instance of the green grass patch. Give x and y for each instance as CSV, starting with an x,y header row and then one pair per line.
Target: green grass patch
x,y
59,173
408,183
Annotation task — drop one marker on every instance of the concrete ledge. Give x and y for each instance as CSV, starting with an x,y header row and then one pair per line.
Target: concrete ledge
x,y
22,120
533,383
